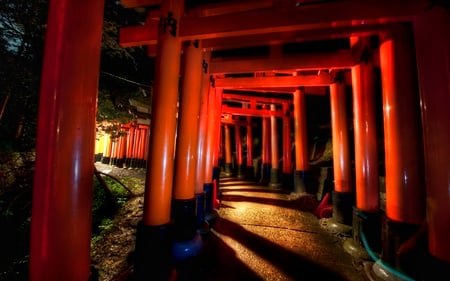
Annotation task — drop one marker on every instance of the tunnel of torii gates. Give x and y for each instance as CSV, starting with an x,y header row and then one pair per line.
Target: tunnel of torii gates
x,y
181,183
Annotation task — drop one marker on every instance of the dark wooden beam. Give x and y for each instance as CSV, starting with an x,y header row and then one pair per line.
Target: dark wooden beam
x,y
139,3
309,61
251,112
339,14
328,14
274,81
254,100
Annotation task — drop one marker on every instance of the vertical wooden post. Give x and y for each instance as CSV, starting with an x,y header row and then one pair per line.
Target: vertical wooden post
x,y
265,156
343,190
228,153
405,204
183,202
275,164
434,70
250,174
287,145
63,176
153,243
205,114
217,136
238,143
366,215
301,141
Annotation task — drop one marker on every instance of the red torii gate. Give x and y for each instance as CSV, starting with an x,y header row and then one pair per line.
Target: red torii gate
x,y
60,227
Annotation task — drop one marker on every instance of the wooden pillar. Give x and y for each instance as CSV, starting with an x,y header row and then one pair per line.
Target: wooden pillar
x,y
238,143
275,164
301,141
130,146
63,177
250,169
228,153
343,190
434,71
183,202
265,156
99,144
153,243
202,140
405,189
287,178
366,215
107,149
217,145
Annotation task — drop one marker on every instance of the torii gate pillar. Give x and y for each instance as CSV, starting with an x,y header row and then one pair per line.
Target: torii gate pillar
x,y
64,167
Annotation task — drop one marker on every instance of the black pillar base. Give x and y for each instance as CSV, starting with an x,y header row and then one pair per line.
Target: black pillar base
x,y
183,216
98,157
275,181
227,170
208,188
288,181
200,208
153,252
105,160
403,250
240,172
299,183
366,235
343,203
250,173
265,174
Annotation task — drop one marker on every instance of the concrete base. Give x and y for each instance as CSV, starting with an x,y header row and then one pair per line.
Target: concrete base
x,y
336,228
381,271
355,249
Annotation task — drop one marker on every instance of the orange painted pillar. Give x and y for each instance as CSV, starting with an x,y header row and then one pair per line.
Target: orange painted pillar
x,y
136,147
405,184
121,148
238,143
114,143
183,202
130,146
274,155
63,179
153,243
434,71
301,141
213,140
287,176
228,152
99,144
343,194
205,114
142,139
210,151
146,142
217,148
265,152
366,215
250,173
107,149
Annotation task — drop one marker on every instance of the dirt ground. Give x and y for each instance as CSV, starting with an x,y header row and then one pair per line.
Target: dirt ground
x,y
111,254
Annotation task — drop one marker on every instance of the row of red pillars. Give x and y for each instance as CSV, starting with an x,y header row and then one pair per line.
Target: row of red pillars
x,y
127,150
61,224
